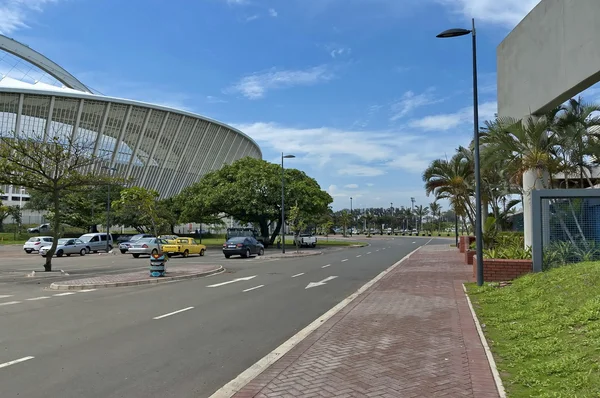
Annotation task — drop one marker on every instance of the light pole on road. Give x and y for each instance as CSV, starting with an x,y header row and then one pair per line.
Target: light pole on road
x,y
283,200
110,169
479,250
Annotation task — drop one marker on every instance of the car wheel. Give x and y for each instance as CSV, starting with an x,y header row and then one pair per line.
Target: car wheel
x,y
28,251
185,253
110,247
82,252
247,254
68,254
314,245
59,253
201,252
135,255
169,255
123,251
261,251
227,256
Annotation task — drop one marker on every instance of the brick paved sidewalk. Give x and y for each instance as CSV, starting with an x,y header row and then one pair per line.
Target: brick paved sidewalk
x,y
409,335
138,277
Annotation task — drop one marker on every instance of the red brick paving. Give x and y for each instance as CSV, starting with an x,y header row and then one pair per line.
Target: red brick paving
x,y
410,335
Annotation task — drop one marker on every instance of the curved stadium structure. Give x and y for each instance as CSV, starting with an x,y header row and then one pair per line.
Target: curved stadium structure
x,y
158,147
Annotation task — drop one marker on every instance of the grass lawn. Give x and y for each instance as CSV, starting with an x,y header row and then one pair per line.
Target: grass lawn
x,y
544,331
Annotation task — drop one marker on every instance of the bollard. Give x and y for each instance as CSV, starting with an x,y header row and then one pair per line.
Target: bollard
x,y
157,265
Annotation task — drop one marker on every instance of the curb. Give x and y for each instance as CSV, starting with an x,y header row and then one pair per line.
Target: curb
x,y
54,286
488,352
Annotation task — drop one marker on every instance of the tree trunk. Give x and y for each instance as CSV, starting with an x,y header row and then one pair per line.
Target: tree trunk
x,y
55,230
275,232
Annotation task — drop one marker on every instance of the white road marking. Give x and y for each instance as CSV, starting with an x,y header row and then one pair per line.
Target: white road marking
x,y
38,298
383,248
87,290
249,374
297,275
63,294
325,266
253,288
321,283
359,255
414,242
344,260
9,303
368,252
377,250
5,296
232,281
173,313
5,364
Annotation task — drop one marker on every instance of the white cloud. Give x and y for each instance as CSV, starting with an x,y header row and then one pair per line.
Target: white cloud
x,y
215,100
272,12
336,52
370,184
411,101
351,186
355,170
256,85
507,12
412,162
251,18
14,14
449,121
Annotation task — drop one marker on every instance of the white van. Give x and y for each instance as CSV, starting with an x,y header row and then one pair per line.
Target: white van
x,y
97,242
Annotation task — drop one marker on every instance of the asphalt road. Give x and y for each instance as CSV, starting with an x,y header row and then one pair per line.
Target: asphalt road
x,y
180,339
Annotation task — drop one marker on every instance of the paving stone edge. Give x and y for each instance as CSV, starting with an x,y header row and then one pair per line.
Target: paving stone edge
x,y
54,286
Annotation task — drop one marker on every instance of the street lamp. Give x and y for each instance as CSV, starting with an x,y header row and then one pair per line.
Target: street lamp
x,y
108,210
351,216
283,200
479,243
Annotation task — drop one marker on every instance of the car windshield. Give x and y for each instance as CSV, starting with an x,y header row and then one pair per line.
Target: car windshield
x,y
86,238
236,240
146,240
63,241
136,237
33,240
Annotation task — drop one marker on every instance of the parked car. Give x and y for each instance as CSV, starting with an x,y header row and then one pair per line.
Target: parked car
x,y
146,246
246,232
39,229
97,242
243,246
306,240
169,238
66,246
35,243
124,246
184,247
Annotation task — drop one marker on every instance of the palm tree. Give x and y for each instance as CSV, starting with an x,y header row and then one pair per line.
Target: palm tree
x,y
453,180
345,219
421,212
436,210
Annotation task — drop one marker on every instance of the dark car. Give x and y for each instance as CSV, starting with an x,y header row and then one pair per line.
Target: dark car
x,y
124,246
244,246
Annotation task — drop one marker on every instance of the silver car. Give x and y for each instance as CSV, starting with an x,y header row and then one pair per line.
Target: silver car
x,y
147,246
67,246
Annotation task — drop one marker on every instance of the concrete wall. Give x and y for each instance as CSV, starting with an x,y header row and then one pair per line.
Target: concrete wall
x,y
551,56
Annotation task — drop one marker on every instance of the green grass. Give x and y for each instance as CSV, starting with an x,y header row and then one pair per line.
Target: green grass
x,y
544,331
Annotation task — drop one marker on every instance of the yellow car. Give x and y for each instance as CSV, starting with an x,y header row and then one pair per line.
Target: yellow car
x,y
184,247
169,238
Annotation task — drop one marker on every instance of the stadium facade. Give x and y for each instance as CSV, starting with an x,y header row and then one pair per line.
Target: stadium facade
x,y
158,147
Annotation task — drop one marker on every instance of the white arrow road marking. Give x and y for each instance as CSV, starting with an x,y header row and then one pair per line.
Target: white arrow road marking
x,y
297,275
173,313
5,364
324,281
38,298
232,281
325,266
9,303
253,288
344,260
5,296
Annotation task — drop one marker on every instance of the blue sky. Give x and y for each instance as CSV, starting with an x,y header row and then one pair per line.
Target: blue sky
x,y
360,91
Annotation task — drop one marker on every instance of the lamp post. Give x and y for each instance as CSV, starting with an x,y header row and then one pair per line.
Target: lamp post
x,y
283,200
351,216
479,243
108,210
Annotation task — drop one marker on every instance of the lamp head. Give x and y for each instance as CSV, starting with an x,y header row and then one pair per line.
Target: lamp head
x,y
453,33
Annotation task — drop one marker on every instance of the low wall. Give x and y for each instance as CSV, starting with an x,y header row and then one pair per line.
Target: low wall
x,y
464,243
469,254
498,270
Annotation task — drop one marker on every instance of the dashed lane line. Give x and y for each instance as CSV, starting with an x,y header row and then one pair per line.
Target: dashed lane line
x,y
38,298
9,303
344,260
325,266
358,255
297,275
253,288
5,364
63,294
173,313
2,296
368,252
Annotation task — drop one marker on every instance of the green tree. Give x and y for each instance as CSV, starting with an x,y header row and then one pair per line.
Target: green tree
x,y
249,190
53,164
297,222
436,209
140,208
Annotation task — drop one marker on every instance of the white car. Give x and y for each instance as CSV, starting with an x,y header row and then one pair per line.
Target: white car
x,y
67,246
35,243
